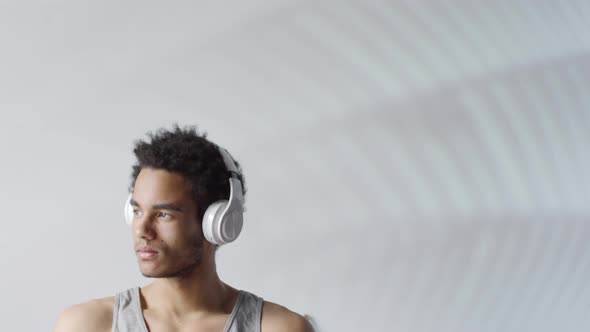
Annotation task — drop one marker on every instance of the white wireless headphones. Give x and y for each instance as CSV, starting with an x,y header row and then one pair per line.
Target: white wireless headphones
x,y
223,220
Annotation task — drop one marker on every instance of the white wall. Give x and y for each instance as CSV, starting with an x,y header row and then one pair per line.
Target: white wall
x,y
412,166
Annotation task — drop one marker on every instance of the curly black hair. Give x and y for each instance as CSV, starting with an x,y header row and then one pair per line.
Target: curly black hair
x,y
186,152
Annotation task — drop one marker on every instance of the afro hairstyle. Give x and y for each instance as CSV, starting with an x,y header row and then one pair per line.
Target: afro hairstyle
x,y
186,152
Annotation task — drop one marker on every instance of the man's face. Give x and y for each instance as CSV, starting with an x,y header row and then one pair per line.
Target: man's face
x,y
167,235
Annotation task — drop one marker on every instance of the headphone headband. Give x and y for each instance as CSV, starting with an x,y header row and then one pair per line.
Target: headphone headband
x,y
230,164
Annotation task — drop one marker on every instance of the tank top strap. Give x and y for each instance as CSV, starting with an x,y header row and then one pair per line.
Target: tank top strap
x,y
246,315
127,315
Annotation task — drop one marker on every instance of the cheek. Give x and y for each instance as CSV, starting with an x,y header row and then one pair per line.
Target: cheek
x,y
179,239
190,239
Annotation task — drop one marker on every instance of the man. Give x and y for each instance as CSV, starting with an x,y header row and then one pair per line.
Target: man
x,y
186,201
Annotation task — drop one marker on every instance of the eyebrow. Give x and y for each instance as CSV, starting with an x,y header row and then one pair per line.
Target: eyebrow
x,y
161,206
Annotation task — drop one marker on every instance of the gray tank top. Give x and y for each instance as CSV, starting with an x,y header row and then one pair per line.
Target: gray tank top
x,y
128,316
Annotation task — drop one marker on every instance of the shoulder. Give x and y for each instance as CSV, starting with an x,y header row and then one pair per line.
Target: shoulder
x,y
95,316
275,317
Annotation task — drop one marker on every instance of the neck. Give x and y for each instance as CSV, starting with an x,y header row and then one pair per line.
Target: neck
x,y
199,291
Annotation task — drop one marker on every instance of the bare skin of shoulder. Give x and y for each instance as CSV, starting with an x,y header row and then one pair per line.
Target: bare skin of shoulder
x,y
92,316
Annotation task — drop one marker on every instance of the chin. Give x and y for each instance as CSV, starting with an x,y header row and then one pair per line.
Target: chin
x,y
151,270
153,273
178,272
148,273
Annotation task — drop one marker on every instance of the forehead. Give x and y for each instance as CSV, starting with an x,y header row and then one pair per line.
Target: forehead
x,y
158,184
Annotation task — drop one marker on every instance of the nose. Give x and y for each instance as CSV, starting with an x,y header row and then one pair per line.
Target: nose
x,y
143,227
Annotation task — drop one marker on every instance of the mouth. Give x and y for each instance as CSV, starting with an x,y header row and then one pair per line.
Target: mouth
x,y
147,254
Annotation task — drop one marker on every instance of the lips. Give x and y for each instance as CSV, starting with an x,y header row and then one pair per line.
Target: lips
x,y
145,249
146,252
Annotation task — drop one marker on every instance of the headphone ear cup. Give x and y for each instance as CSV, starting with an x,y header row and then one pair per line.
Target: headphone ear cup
x,y
129,211
232,225
211,222
220,228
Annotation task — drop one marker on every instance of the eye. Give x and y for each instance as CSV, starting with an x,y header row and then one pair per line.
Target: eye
x,y
164,215
137,213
